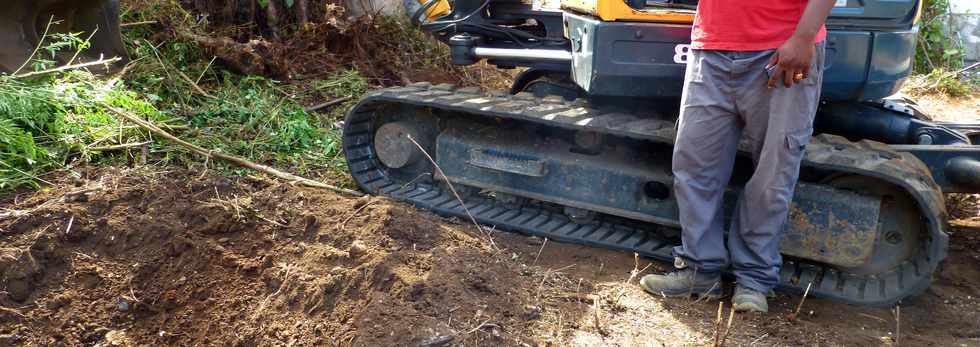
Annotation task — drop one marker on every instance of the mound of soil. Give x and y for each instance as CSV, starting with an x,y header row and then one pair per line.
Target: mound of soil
x,y
131,257
150,260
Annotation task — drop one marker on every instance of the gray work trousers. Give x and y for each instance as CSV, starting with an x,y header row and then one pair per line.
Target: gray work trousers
x,y
726,97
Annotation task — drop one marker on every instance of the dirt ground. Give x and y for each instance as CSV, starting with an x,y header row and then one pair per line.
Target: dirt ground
x,y
125,257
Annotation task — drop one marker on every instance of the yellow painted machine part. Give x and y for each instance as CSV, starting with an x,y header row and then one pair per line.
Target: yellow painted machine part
x,y
618,10
441,8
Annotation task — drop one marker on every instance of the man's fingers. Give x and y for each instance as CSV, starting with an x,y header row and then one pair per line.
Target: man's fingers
x,y
787,77
773,60
775,77
806,72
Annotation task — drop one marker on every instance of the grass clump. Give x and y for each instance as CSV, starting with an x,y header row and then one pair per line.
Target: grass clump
x,y
58,120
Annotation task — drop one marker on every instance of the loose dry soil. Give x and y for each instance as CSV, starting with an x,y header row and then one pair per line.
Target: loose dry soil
x,y
129,257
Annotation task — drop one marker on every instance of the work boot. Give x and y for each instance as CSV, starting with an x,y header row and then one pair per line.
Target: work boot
x,y
749,300
683,281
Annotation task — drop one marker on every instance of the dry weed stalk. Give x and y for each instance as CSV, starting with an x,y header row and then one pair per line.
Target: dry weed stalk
x,y
453,190
354,214
717,334
596,319
728,327
898,325
800,305
539,252
283,285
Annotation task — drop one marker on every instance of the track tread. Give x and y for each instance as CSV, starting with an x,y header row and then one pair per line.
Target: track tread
x,y
828,152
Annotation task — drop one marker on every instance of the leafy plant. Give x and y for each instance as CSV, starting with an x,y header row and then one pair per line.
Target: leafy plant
x,y
937,49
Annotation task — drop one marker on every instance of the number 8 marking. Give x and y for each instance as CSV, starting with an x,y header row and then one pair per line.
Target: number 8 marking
x,y
681,52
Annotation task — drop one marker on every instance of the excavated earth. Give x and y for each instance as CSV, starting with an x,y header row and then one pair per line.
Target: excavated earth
x,y
131,257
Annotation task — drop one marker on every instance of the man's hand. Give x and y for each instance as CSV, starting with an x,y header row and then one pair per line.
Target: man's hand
x,y
791,61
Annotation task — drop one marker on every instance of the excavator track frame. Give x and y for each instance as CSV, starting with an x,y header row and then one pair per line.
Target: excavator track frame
x,y
825,152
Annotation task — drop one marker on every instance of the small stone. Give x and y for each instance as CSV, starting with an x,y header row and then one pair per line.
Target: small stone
x,y
223,240
437,341
122,305
357,248
532,312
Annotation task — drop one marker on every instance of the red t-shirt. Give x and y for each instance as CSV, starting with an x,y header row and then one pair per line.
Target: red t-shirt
x,y
747,25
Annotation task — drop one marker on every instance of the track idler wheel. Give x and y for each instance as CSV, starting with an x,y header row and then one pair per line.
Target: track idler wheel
x,y
23,24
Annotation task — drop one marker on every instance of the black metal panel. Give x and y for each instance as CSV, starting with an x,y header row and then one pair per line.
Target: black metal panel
x,y
627,59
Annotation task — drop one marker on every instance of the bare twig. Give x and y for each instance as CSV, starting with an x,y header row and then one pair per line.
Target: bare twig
x,y
36,48
898,325
321,106
352,215
126,25
120,146
206,68
70,222
800,305
194,85
728,327
79,50
873,317
539,251
705,298
481,325
285,280
227,157
758,339
67,67
596,319
453,190
717,337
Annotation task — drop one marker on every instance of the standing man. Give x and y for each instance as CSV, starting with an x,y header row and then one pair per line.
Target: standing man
x,y
755,70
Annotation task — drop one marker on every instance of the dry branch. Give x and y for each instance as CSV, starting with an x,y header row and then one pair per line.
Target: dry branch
x,y
119,146
800,305
321,106
68,67
717,337
227,157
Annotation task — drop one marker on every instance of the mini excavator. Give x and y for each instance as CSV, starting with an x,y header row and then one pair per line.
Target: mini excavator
x,y
579,149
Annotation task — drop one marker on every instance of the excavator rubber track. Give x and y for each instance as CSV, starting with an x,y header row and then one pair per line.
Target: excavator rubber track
x,y
825,152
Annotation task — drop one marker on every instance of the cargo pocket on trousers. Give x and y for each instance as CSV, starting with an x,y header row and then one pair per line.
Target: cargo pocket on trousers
x,y
797,140
786,173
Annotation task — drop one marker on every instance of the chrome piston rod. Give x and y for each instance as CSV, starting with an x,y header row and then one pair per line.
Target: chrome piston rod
x,y
522,54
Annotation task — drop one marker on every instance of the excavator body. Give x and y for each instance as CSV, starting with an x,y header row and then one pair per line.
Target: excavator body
x,y
28,26
579,149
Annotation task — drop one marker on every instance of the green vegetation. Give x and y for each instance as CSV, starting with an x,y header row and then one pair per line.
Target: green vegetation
x,y
939,57
56,121
937,49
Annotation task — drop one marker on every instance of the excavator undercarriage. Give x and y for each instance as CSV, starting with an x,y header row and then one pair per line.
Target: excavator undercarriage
x,y
579,149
